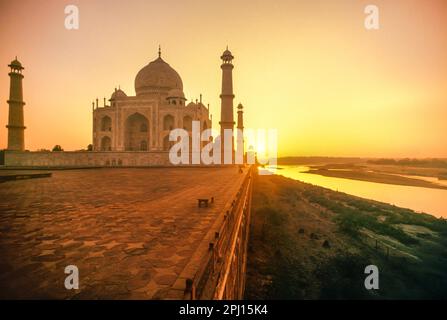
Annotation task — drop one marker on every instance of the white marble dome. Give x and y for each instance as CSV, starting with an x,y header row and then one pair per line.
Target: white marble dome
x,y
157,77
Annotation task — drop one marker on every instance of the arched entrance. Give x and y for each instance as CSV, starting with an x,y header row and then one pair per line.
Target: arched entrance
x,y
136,133
143,145
106,144
168,122
106,123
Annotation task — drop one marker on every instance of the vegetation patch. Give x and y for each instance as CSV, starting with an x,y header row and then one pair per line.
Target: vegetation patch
x,y
308,242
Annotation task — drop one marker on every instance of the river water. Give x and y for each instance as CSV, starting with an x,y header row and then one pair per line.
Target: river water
x,y
428,200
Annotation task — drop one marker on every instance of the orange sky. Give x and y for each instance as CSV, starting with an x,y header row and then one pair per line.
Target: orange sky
x,y
307,68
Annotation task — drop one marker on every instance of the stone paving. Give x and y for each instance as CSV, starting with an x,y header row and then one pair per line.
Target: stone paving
x,y
129,231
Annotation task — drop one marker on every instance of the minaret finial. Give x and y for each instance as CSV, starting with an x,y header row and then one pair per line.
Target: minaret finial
x,y
159,51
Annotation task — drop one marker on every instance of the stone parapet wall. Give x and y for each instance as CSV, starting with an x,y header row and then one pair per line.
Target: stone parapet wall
x,y
85,159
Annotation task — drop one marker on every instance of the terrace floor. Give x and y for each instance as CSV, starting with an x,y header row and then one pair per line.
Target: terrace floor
x,y
130,231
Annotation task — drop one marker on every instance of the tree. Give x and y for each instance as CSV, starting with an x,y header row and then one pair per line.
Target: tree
x,y
57,148
90,147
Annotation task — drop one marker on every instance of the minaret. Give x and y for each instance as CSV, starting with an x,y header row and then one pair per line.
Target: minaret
x,y
240,117
226,107
16,128
240,135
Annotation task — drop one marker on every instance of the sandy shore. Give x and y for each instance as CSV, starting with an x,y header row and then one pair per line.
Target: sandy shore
x,y
378,177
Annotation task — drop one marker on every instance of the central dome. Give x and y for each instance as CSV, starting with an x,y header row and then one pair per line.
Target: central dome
x,y
157,77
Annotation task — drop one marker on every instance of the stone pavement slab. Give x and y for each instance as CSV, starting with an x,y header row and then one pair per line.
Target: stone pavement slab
x,y
130,231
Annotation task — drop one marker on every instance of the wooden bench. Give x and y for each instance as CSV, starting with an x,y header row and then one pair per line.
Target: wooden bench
x,y
204,201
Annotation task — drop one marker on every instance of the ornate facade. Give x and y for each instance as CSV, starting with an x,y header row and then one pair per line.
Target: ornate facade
x,y
143,122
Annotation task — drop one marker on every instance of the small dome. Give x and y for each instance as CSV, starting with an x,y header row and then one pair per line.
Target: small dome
x,y
157,76
117,94
191,104
176,93
227,56
15,64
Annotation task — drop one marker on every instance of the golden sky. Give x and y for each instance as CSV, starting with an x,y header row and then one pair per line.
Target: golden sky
x,y
308,68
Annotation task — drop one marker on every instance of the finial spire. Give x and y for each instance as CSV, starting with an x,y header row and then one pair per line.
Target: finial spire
x,y
159,51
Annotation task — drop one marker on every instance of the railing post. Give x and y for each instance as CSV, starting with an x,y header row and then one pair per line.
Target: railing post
x,y
189,289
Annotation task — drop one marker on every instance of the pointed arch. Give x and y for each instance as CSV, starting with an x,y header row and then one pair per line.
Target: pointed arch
x,y
106,123
168,122
136,131
106,143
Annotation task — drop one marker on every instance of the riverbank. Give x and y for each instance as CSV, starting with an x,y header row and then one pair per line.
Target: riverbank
x,y
377,177
308,242
430,167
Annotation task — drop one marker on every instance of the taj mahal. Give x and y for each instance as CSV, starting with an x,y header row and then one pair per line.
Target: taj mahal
x,y
143,122
129,130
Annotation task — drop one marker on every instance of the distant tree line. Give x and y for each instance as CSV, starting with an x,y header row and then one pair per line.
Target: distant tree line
x,y
431,163
58,148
